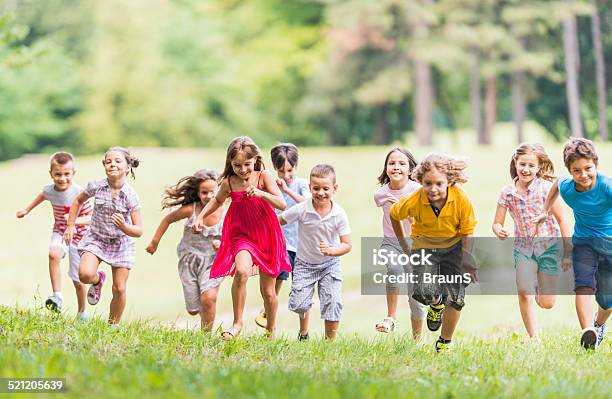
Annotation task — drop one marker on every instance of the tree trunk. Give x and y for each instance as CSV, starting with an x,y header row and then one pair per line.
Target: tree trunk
x,y
490,108
572,64
381,130
600,72
423,103
519,106
476,101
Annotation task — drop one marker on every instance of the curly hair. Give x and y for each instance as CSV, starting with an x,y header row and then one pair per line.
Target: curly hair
x,y
453,168
186,190
577,148
545,165
384,178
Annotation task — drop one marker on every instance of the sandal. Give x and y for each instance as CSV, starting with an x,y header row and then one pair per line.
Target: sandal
x,y
230,334
388,325
261,320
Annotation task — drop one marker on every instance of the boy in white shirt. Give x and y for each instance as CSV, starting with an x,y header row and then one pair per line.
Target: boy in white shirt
x,y
324,236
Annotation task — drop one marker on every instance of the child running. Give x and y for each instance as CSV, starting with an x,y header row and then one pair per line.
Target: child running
x,y
61,194
252,240
295,190
589,193
323,236
395,183
444,222
196,252
536,258
115,222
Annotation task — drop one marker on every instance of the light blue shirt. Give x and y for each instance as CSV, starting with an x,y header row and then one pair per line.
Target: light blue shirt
x,y
290,231
592,210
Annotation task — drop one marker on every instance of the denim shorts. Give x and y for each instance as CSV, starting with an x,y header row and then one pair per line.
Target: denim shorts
x,y
285,274
593,270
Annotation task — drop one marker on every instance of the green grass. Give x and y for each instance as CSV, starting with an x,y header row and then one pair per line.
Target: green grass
x,y
142,359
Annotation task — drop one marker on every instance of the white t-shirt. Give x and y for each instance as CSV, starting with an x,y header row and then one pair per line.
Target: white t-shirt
x,y
313,229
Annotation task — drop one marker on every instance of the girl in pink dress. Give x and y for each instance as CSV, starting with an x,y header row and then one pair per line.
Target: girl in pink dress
x,y
252,239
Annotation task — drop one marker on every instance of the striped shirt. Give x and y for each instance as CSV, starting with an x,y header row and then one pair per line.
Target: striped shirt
x,y
61,202
522,209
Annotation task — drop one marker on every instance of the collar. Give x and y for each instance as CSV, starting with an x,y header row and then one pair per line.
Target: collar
x,y
310,209
124,189
450,196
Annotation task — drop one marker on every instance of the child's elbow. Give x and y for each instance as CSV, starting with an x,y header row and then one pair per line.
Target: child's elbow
x,y
282,205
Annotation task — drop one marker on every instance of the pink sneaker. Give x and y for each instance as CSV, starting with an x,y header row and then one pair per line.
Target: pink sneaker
x,y
95,290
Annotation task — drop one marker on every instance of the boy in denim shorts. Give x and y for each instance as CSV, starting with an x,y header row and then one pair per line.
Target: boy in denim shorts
x,y
589,193
323,236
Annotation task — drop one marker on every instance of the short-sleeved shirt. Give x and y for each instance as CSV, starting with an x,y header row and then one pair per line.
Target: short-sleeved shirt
x,y
456,218
125,202
61,202
522,209
380,198
290,231
314,228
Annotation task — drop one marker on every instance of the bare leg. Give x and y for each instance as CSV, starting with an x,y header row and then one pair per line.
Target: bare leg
x,y
584,306
244,262
88,268
602,315
117,305
208,304
267,285
81,294
450,319
528,314
392,298
304,323
417,329
526,282
331,329
277,287
55,257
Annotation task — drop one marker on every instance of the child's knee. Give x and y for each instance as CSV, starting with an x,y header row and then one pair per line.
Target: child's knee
x,y
55,254
546,302
87,276
118,288
241,274
208,300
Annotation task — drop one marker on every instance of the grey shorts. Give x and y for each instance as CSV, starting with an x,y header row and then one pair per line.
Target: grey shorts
x,y
194,271
328,276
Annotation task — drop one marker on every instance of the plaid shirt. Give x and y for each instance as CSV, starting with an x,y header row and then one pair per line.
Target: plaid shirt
x,y
125,201
523,209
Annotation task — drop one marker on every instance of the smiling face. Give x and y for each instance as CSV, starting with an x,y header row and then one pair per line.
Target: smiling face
x,y
206,190
527,167
435,185
322,189
115,165
584,172
398,167
242,166
287,172
62,175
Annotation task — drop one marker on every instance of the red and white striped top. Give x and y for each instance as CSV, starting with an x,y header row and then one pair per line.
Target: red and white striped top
x,y
61,202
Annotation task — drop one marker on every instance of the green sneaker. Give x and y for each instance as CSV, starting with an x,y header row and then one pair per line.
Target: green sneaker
x,y
434,317
442,346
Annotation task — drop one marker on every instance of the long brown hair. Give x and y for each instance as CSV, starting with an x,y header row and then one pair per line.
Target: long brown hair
x,y
186,190
384,178
453,168
546,168
130,158
246,145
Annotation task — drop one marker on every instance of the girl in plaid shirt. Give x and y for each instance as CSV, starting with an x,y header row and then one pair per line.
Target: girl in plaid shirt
x,y
537,248
115,223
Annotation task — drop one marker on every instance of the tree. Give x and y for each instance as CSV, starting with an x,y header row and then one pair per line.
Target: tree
x,y
572,66
600,72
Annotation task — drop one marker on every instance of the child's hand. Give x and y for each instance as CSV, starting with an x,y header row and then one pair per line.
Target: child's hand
x,y
253,191
500,232
118,220
282,184
391,199
325,248
198,226
151,248
468,267
21,214
216,244
539,219
68,235
567,262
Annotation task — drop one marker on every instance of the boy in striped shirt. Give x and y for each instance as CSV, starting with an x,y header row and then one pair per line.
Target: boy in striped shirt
x,y
61,194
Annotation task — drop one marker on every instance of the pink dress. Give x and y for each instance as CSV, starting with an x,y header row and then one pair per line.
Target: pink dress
x,y
250,224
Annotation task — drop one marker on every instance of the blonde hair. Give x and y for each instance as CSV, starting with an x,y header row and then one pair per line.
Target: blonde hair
x,y
453,168
323,171
545,165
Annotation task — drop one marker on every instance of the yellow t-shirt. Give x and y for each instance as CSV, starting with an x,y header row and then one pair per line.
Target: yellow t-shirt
x,y
456,218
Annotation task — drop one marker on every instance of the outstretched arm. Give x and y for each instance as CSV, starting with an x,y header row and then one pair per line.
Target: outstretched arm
x,y
37,201
398,229
498,223
174,216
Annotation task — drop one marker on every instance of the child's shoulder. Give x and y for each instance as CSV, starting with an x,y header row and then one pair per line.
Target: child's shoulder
x,y
460,194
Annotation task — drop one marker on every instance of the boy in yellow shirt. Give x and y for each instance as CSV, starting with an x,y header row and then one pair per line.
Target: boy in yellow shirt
x,y
443,224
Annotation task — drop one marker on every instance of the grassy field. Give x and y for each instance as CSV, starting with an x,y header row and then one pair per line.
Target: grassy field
x,y
140,360
158,351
